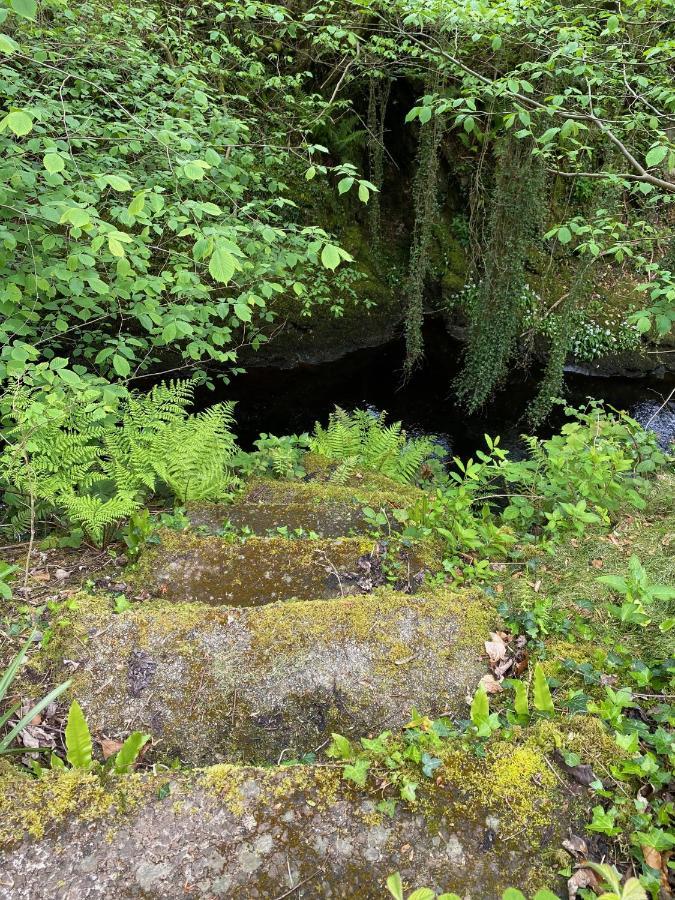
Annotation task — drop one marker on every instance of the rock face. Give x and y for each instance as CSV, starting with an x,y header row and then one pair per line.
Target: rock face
x,y
249,833
268,682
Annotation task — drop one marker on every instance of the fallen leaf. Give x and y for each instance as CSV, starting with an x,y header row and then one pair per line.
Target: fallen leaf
x,y
597,563
521,663
61,574
109,747
495,649
492,686
503,668
576,847
582,774
537,586
652,858
582,878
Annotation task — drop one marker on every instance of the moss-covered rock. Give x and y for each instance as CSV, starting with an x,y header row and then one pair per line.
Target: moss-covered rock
x,y
223,683
242,832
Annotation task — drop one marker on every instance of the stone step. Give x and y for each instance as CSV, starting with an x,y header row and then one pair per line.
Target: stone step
x,y
330,510
245,833
260,570
264,683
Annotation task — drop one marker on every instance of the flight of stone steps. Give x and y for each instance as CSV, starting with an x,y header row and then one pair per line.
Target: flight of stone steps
x,y
244,649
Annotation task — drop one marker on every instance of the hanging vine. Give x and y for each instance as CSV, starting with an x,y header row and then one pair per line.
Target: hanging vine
x,y
378,98
515,221
425,203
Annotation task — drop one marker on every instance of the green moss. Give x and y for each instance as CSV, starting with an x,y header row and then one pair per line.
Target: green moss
x,y
30,806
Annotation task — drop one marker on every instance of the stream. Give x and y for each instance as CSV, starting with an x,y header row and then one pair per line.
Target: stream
x,y
285,401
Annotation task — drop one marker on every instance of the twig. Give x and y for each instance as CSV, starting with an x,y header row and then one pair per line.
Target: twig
x,y
665,403
296,886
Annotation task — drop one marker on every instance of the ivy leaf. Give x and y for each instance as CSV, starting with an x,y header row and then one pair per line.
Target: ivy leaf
x,y
340,747
408,791
330,256
121,365
17,121
358,772
27,9
222,264
543,702
78,738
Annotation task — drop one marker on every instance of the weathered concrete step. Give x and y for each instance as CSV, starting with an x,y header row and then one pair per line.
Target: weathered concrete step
x,y
229,832
214,684
258,570
330,510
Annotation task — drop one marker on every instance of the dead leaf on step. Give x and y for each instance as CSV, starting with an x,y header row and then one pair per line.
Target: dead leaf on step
x,y
503,667
582,878
495,649
492,686
109,747
576,847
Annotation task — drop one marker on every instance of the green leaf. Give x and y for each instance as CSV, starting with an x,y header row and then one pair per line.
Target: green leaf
x,y
53,163
222,264
395,886
364,193
78,738
330,256
7,45
520,704
27,9
643,324
344,185
118,183
513,894
480,707
424,114
128,752
17,121
76,217
243,312
564,235
137,204
340,747
121,365
543,894
422,894
543,702
358,772
115,246
656,155
408,791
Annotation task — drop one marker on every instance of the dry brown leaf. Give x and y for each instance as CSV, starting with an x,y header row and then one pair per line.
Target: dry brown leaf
x,y
652,858
495,648
492,686
582,878
110,747
537,585
576,847
597,563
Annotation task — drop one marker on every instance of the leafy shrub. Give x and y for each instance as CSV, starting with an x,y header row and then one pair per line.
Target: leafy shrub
x,y
276,457
80,464
362,439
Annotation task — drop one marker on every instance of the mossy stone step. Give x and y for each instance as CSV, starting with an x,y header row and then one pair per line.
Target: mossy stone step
x,y
220,684
330,510
259,570
231,832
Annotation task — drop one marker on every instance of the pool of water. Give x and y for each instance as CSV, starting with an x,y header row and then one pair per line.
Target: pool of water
x,y
285,401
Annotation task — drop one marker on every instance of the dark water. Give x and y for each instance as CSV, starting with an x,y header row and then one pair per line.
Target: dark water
x,y
279,401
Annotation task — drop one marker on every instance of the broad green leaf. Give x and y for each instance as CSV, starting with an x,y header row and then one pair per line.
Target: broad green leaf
x,y
128,752
27,9
655,156
118,183
243,312
137,204
344,185
513,894
364,193
78,738
424,114
222,264
358,772
115,246
76,217
53,163
643,324
564,235
8,45
422,894
543,702
121,365
520,704
543,894
17,121
340,747
330,256
395,886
